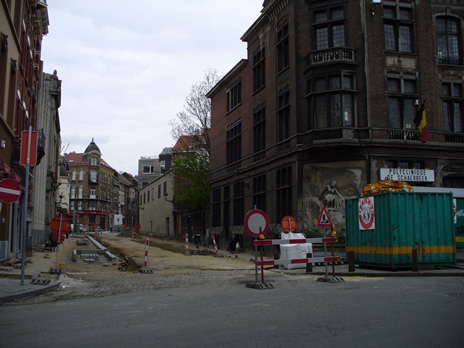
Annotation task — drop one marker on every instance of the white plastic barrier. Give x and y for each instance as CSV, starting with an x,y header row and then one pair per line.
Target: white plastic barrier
x,y
294,251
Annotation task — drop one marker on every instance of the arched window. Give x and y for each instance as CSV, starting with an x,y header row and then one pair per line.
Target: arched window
x,y
81,174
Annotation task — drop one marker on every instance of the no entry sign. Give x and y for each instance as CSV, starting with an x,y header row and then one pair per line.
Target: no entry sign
x,y
10,191
256,222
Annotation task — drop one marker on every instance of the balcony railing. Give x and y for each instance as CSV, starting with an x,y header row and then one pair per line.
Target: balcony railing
x,y
330,55
405,134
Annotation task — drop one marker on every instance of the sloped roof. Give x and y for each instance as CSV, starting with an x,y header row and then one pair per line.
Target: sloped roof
x,y
184,143
75,157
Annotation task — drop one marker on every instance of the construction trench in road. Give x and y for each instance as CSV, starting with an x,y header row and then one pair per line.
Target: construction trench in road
x,y
121,273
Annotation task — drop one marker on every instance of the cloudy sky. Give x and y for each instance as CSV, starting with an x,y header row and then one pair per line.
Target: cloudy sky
x,y
127,66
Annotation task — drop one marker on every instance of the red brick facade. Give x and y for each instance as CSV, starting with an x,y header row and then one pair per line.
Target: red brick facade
x,y
338,108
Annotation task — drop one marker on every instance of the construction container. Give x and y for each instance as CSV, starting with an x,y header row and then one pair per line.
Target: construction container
x,y
402,221
458,196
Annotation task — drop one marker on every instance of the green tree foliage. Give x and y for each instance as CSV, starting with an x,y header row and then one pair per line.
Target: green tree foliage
x,y
191,173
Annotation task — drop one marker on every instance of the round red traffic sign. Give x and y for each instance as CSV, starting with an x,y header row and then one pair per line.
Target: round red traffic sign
x,y
256,223
289,223
10,190
60,221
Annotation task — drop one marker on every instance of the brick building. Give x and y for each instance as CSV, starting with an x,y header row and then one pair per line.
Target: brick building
x,y
92,197
325,103
23,23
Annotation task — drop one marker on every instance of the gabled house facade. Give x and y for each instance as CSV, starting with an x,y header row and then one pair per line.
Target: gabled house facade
x,y
326,102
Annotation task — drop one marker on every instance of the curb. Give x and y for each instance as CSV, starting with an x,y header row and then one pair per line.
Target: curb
x,y
32,293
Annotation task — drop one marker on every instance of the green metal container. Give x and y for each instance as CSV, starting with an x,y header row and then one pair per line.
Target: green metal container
x,y
403,221
458,195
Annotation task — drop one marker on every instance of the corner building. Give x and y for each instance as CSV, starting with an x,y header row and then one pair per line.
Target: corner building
x,y
325,103
92,193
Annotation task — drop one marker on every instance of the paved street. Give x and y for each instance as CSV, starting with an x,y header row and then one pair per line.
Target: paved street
x,y
298,312
203,301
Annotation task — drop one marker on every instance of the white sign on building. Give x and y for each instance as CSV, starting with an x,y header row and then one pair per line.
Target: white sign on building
x,y
410,175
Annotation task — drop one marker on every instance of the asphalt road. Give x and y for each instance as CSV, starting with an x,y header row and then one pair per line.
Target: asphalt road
x,y
220,311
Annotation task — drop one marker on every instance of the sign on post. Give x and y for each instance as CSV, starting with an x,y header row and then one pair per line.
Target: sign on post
x,y
24,148
324,220
256,221
10,190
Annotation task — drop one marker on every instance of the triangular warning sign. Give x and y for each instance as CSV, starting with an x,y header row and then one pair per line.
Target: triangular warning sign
x,y
324,220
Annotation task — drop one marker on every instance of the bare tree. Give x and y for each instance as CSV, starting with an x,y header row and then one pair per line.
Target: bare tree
x,y
195,119
191,154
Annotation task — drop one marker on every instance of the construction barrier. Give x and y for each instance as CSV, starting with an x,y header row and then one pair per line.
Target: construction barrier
x,y
187,244
295,241
308,260
295,261
215,247
146,253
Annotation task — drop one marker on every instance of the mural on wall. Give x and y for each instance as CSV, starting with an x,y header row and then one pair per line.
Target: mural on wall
x,y
329,187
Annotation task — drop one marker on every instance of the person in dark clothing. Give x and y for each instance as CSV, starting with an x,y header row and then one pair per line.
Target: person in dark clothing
x,y
233,243
54,242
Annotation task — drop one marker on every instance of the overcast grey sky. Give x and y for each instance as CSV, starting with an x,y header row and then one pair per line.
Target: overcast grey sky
x,y
127,66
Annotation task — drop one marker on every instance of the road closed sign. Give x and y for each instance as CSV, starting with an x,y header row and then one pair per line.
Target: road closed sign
x,y
366,210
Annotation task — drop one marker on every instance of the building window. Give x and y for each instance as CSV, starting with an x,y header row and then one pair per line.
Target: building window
x,y
234,143
283,49
398,28
81,190
259,133
283,111
93,176
148,169
234,96
259,69
239,204
73,175
165,188
331,100
453,107
159,191
216,206
448,42
81,174
93,161
329,28
259,192
401,101
284,192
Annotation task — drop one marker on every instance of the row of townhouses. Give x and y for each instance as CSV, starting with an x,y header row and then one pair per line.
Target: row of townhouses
x,y
83,185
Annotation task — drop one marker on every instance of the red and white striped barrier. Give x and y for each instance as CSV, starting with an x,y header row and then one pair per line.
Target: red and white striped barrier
x,y
133,232
215,246
295,241
146,253
114,264
294,261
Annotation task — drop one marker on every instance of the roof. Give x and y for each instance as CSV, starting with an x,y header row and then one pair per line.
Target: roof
x,y
76,158
184,143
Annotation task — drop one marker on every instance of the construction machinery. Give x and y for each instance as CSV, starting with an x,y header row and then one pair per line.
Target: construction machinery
x,y
388,185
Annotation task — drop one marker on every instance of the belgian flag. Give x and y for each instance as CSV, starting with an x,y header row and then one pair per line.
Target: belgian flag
x,y
421,123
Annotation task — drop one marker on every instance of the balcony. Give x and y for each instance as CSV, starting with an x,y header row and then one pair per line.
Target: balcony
x,y
406,134
330,55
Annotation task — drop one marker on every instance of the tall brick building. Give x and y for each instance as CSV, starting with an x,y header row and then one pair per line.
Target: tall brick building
x,y
325,103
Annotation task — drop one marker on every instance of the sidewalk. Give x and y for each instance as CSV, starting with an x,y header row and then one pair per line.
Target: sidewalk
x,y
40,263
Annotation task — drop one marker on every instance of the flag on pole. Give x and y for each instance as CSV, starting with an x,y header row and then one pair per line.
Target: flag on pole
x,y
421,123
